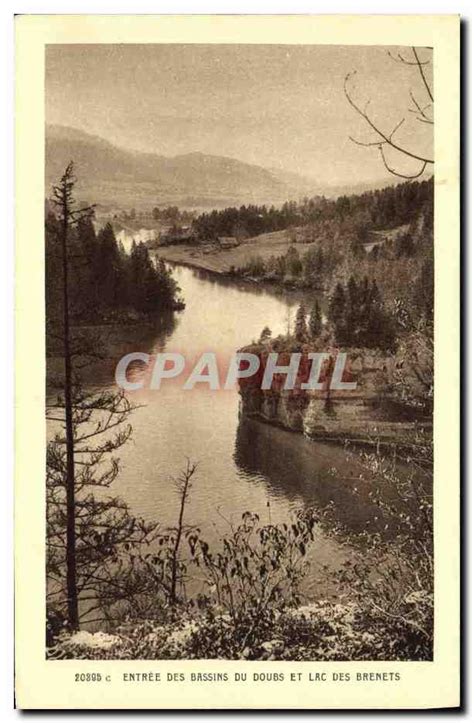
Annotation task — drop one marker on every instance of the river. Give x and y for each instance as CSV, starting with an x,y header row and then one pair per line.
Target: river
x,y
242,464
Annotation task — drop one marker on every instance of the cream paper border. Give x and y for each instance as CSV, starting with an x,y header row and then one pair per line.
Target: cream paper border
x,y
50,684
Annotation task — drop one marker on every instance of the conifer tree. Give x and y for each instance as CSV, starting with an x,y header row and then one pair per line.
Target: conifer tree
x,y
353,302
337,313
93,541
301,329
109,269
315,320
266,334
68,218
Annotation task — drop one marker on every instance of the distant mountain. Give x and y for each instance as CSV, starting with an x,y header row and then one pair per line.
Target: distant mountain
x,y
113,176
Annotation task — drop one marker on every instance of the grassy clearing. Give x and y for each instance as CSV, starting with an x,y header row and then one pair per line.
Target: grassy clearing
x,y
220,261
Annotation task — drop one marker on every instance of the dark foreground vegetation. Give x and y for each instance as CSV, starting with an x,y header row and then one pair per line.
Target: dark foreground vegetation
x,y
251,605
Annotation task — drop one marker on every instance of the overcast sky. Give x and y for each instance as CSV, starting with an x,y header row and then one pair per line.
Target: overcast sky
x,y
276,106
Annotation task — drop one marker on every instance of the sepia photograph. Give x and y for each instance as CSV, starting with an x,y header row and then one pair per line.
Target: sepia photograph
x,y
239,290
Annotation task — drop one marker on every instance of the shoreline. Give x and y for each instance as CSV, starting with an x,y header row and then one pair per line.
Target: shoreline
x,y
192,264
221,270
348,438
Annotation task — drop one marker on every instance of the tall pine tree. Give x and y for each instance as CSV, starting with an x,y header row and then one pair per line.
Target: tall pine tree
x,y
315,320
301,329
337,313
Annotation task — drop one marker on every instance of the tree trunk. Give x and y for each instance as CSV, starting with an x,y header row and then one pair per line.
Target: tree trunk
x,y
71,579
175,559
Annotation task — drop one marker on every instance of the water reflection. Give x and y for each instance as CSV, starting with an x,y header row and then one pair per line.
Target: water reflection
x,y
304,472
110,343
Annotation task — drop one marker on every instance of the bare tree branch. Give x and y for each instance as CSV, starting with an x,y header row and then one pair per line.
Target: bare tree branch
x,y
398,58
397,173
422,73
387,139
420,112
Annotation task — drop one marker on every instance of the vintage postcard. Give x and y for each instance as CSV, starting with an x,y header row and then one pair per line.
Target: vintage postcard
x,y
237,445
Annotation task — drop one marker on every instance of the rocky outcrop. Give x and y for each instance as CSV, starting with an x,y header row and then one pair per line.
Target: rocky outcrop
x,y
369,414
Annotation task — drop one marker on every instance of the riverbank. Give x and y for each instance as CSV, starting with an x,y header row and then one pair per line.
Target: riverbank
x,y
225,261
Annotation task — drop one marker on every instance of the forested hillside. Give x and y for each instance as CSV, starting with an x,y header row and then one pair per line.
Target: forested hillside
x,y
355,214
368,260
105,282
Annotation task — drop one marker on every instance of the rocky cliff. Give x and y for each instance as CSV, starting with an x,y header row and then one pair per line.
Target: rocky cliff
x,y
369,414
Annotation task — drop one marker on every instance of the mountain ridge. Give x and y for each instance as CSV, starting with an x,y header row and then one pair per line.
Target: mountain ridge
x,y
106,172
